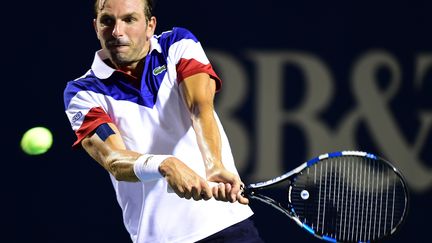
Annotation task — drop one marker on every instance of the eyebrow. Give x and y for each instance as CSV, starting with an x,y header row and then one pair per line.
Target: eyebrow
x,y
133,14
101,5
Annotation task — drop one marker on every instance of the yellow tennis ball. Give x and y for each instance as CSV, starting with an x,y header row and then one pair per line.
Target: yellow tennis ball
x,y
36,141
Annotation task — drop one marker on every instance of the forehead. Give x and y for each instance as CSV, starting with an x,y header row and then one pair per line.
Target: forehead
x,y
120,6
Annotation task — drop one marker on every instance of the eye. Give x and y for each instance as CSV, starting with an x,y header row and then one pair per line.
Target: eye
x,y
129,19
107,21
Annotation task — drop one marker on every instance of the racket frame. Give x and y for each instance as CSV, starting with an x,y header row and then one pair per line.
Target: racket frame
x,y
251,190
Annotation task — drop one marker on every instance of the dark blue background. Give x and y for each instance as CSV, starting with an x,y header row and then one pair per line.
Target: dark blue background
x,y
63,196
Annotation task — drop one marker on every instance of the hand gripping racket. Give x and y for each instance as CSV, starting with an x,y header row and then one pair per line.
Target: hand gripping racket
x,y
344,196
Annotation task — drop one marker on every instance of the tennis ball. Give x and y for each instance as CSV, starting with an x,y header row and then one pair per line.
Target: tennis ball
x,y
36,141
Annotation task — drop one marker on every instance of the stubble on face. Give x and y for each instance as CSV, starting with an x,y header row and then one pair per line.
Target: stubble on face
x,y
120,56
128,49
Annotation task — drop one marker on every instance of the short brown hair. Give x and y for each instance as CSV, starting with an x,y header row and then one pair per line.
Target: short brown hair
x,y
148,8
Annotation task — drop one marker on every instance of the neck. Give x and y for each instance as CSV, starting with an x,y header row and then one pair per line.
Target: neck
x,y
134,69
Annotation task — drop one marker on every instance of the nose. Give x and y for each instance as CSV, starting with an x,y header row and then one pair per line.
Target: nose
x,y
118,29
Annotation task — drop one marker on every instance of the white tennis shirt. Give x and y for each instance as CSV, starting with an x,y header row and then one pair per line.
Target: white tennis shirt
x,y
154,119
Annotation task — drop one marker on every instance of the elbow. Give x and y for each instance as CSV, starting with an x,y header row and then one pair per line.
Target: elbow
x,y
116,173
122,172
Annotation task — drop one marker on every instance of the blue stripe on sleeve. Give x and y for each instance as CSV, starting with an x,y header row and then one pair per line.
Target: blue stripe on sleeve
x,y
104,131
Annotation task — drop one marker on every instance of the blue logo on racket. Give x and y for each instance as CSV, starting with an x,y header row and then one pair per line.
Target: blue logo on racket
x,y
304,195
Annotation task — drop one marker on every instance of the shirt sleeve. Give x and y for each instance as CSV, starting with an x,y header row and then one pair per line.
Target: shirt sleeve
x,y
190,57
85,114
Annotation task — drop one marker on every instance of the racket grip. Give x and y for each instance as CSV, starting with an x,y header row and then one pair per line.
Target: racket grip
x,y
245,191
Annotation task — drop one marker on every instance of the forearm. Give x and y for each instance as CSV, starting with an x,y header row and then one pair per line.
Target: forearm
x,y
209,141
198,92
208,138
118,162
127,165
123,164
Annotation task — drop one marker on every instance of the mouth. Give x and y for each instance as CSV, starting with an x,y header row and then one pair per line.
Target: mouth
x,y
117,44
117,47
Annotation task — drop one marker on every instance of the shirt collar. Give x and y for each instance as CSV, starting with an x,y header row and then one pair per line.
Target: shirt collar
x,y
103,71
99,67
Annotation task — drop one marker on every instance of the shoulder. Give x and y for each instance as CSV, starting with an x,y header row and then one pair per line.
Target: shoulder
x,y
174,36
180,33
84,83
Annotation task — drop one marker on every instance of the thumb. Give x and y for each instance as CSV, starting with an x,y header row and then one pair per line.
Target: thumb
x,y
242,199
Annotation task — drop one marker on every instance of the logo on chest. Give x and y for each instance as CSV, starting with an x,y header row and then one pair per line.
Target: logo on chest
x,y
159,70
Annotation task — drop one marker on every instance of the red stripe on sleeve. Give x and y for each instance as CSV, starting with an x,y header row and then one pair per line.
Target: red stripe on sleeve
x,y
95,117
189,67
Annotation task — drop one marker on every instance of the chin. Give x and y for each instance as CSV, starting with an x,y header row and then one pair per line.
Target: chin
x,y
120,60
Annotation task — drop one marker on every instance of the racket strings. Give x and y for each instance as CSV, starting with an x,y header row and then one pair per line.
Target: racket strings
x,y
351,198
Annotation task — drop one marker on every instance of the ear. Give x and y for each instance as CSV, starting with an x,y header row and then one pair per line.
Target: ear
x,y
95,28
151,26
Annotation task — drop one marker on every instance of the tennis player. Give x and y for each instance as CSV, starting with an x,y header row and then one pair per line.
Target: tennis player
x,y
144,112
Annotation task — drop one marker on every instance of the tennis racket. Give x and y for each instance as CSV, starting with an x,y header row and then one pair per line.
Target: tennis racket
x,y
347,196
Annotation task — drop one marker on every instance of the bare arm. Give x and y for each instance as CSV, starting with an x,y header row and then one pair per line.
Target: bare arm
x,y
198,92
112,155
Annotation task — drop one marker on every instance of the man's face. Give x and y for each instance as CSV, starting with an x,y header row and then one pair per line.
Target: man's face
x,y
123,30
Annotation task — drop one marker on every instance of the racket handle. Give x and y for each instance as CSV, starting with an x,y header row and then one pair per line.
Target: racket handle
x,y
245,191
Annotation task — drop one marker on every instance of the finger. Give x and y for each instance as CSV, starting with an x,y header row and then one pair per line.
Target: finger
x,y
188,193
242,200
235,190
206,191
228,190
221,191
196,194
179,193
215,191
